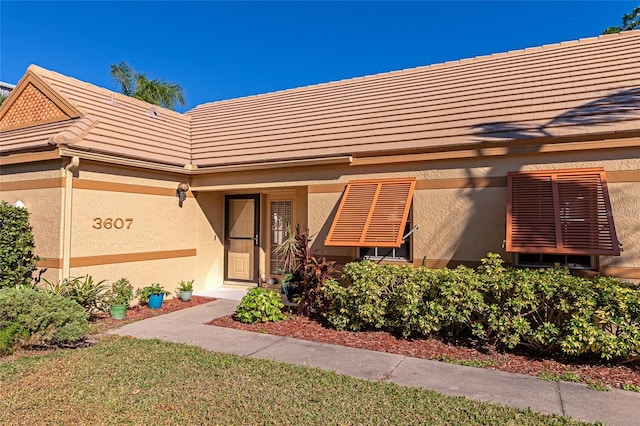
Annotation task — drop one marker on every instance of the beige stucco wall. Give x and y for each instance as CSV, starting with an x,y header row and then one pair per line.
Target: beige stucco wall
x,y
461,223
461,220
458,224
625,203
44,205
168,272
210,239
149,224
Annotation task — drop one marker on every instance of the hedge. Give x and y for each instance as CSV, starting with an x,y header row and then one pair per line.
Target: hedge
x,y
548,310
17,247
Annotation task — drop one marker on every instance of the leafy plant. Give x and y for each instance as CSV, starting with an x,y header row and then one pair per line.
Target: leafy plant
x,y
155,288
307,272
599,387
17,247
630,387
548,310
92,296
260,305
567,376
290,251
185,286
121,292
32,317
467,362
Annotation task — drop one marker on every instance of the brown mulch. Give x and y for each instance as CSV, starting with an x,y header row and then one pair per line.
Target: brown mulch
x,y
432,348
140,312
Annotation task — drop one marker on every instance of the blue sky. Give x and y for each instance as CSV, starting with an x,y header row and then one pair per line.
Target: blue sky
x,y
222,50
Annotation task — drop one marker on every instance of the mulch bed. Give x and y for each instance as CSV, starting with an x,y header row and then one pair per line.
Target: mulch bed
x,y
140,312
432,348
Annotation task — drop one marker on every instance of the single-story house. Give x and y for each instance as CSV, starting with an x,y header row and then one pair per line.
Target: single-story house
x,y
534,154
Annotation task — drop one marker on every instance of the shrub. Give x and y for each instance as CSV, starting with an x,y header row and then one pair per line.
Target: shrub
x,y
551,310
17,247
305,271
604,321
548,310
32,317
260,305
408,302
91,295
360,305
121,293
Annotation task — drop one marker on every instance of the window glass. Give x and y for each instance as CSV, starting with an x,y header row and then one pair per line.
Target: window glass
x,y
281,218
538,260
400,253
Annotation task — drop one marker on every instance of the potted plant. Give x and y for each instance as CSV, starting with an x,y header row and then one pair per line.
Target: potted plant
x,y
153,295
185,288
119,297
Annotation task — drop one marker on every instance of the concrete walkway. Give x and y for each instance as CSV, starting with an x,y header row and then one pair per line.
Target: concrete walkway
x,y
570,399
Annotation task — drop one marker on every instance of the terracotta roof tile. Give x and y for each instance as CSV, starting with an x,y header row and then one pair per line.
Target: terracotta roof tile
x,y
125,125
568,89
562,89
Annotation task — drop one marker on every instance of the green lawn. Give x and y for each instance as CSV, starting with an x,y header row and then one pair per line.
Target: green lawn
x,y
129,381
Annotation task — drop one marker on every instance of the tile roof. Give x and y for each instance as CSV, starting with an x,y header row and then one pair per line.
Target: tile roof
x,y
568,89
589,87
122,126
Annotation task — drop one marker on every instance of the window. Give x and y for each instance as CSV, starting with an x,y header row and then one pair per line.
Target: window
x,y
560,212
539,260
281,218
402,253
372,213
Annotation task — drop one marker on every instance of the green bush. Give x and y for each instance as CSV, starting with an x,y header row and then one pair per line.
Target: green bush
x,y
260,305
551,310
33,317
155,288
17,247
121,293
92,296
548,310
362,304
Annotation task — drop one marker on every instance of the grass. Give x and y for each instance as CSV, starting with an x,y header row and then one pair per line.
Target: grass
x,y
466,362
568,376
130,381
631,388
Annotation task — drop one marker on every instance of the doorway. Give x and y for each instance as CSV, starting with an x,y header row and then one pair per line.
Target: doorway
x,y
242,237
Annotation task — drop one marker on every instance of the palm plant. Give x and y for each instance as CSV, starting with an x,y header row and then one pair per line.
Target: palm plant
x,y
137,85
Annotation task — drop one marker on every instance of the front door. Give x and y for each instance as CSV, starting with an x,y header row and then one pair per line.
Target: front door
x,y
242,213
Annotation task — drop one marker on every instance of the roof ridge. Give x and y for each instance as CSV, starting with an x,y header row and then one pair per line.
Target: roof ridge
x,y
44,71
525,50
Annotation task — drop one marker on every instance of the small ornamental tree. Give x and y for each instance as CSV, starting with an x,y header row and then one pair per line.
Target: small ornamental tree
x,y
17,247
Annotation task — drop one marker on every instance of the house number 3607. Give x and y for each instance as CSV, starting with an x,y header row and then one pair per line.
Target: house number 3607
x,y
112,223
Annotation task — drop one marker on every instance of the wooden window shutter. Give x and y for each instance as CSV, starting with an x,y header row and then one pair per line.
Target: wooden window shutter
x,y
372,213
560,211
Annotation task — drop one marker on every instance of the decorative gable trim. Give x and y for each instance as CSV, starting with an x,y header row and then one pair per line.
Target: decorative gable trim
x,y
33,103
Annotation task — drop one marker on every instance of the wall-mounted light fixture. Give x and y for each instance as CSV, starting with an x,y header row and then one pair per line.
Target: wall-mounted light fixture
x,y
19,204
181,192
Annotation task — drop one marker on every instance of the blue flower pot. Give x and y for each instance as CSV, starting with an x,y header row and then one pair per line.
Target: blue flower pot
x,y
155,300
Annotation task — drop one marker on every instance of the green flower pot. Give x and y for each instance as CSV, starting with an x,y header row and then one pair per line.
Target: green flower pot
x,y
118,311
